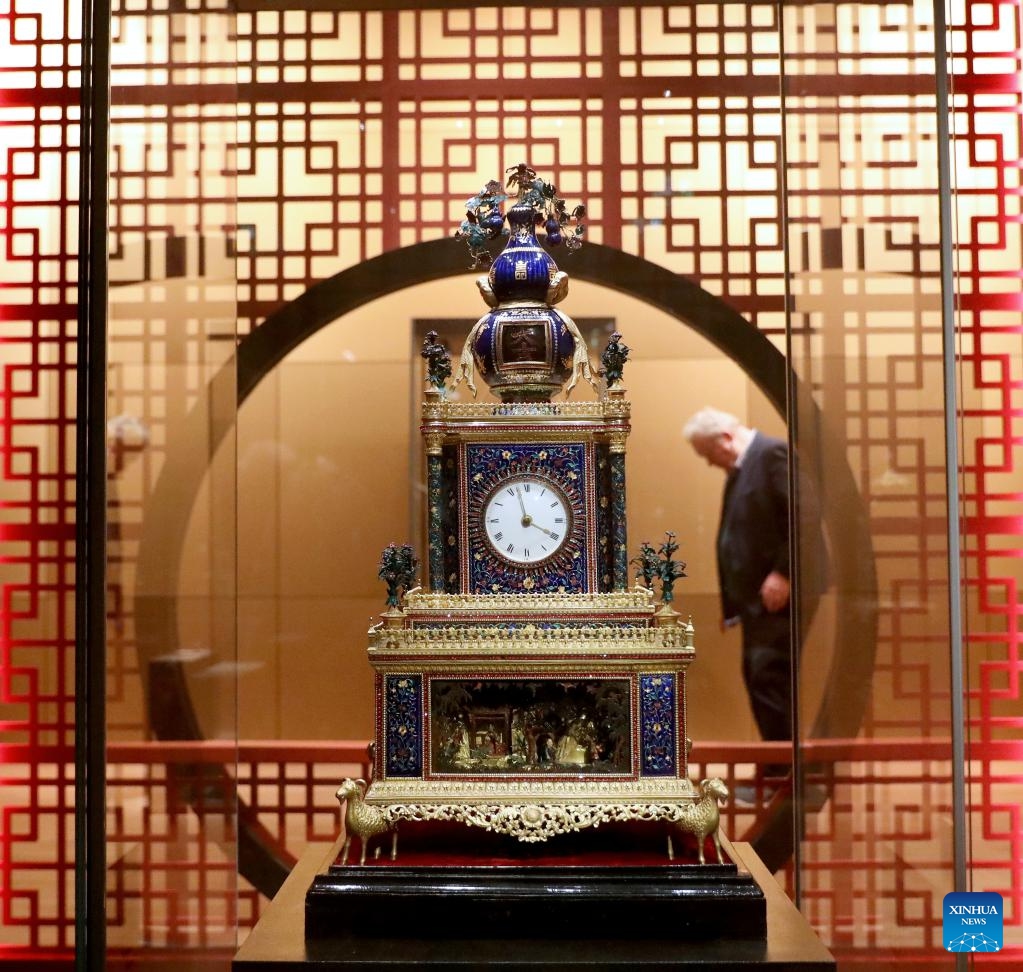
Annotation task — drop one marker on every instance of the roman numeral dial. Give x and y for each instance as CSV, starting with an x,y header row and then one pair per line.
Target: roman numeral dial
x,y
526,519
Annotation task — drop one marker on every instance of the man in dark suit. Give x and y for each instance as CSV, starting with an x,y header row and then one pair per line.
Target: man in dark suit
x,y
753,559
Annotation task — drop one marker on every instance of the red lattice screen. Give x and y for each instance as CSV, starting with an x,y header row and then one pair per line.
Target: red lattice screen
x,y
38,272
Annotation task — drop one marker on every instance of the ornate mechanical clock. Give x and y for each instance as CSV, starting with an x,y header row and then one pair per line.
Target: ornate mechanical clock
x,y
528,696
527,691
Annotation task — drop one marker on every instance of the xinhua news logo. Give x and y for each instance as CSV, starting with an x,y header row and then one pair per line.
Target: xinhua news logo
x,y
972,921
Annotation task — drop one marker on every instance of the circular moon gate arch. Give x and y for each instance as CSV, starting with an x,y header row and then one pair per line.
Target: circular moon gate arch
x,y
847,683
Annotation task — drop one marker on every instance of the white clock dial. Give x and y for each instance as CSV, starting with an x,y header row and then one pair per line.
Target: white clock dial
x,y
526,519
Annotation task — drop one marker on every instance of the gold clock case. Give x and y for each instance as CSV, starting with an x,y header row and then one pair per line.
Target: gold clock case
x,y
507,640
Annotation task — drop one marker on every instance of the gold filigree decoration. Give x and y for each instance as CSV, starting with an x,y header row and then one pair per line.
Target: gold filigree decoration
x,y
469,637
496,790
434,442
464,634
537,822
561,604
447,411
617,439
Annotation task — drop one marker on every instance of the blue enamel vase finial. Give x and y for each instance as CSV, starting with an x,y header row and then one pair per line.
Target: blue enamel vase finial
x,y
524,349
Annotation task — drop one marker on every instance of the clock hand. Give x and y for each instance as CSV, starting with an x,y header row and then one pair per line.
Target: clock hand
x,y
526,518
549,533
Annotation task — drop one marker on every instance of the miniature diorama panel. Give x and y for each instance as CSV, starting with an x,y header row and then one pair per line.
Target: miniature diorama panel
x,y
529,726
538,492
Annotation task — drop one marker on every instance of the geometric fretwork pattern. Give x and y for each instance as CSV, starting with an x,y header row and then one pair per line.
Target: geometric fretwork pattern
x,y
175,888
988,120
685,177
256,152
864,236
38,299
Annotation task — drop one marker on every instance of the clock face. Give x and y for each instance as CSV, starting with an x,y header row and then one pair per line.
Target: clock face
x,y
526,519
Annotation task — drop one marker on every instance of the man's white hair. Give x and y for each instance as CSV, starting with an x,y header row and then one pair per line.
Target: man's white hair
x,y
709,423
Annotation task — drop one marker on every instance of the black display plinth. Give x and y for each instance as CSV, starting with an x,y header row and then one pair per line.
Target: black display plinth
x,y
278,942
446,880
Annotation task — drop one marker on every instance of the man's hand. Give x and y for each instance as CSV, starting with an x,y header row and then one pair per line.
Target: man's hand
x,y
774,592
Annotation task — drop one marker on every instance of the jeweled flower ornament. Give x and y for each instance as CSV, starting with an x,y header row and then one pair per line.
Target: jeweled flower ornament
x,y
398,566
484,217
671,570
438,362
648,565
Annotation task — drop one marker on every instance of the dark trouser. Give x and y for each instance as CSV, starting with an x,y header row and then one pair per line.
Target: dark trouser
x,y
767,672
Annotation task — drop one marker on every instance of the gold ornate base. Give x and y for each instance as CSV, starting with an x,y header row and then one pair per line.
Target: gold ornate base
x,y
557,808
534,822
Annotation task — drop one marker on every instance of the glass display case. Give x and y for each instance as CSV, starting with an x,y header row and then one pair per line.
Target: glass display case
x,y
793,216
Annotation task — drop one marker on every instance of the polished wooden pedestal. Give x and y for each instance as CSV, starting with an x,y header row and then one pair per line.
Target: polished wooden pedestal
x,y
279,943
616,877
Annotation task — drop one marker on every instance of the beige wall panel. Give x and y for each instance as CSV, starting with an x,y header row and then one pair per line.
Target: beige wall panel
x,y
717,706
327,688
303,672
669,486
650,333
815,661
191,462
344,491
261,455
265,658
380,330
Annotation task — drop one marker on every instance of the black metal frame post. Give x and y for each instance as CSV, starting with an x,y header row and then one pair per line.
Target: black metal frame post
x,y
90,504
948,327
